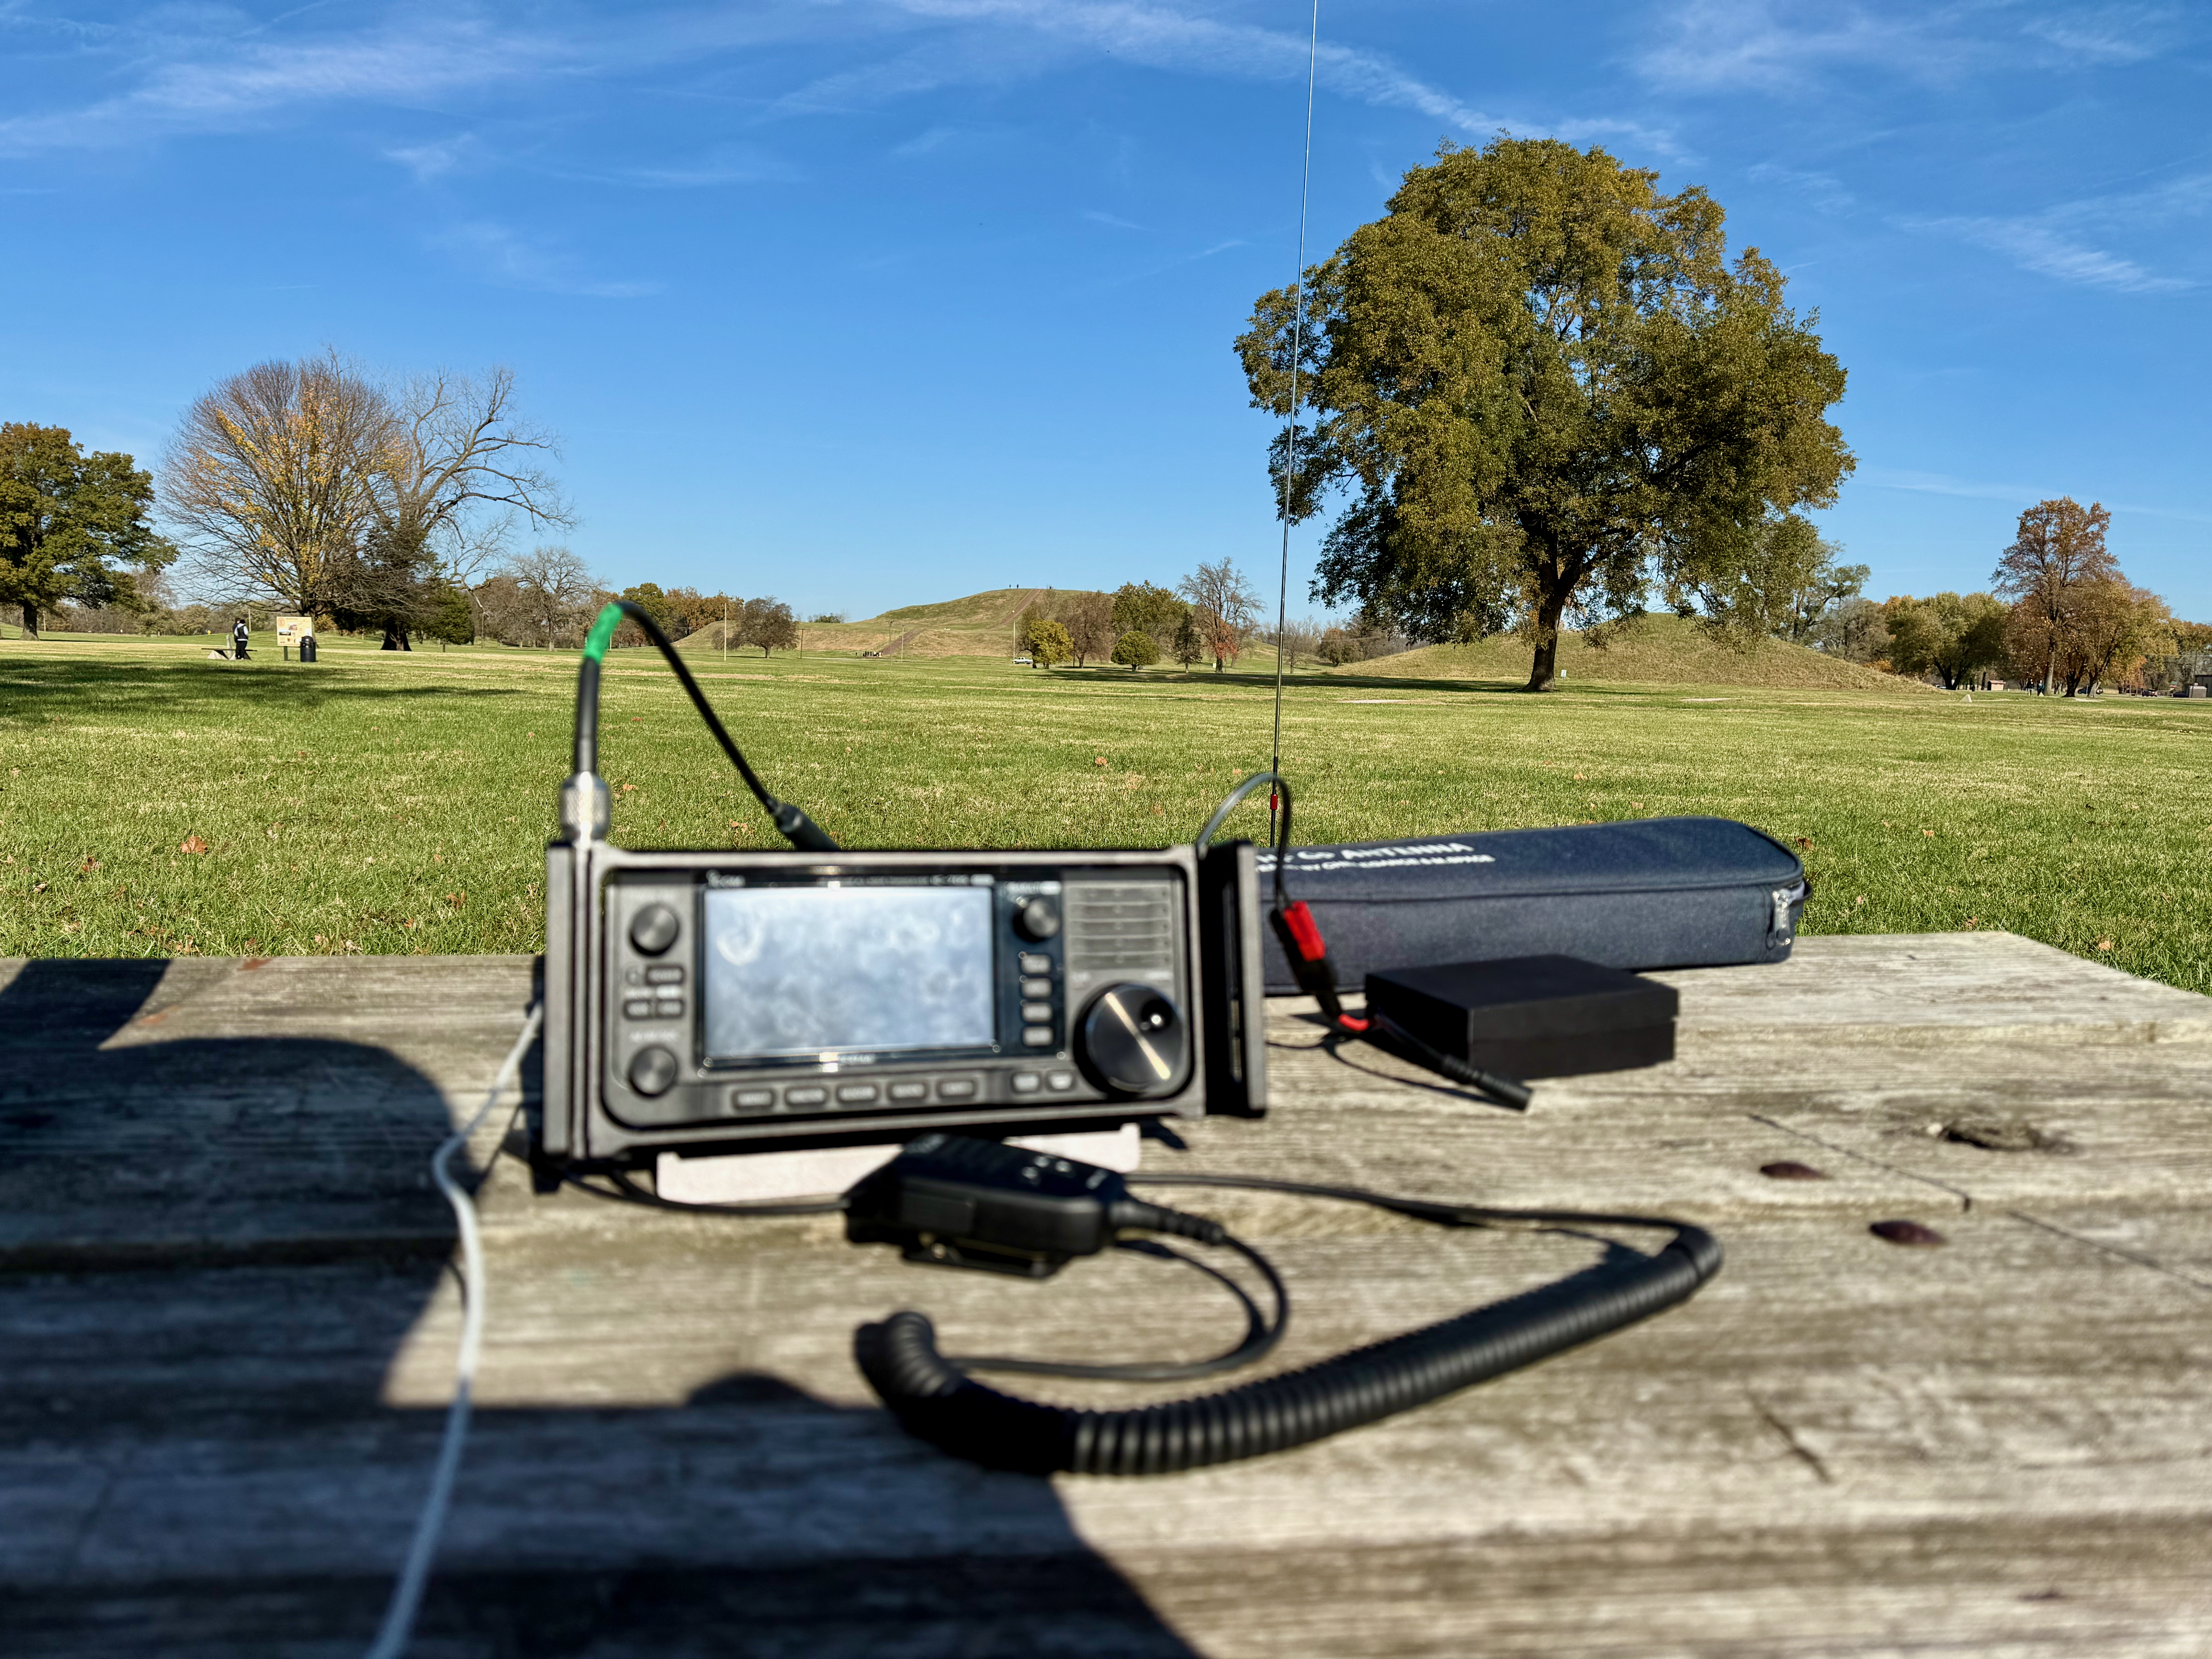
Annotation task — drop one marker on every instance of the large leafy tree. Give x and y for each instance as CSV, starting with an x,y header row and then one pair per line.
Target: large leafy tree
x,y
1544,384
1954,635
269,480
70,523
2057,556
1150,609
1783,582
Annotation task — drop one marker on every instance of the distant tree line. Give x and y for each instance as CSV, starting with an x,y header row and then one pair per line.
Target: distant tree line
x,y
2062,615
1212,614
369,504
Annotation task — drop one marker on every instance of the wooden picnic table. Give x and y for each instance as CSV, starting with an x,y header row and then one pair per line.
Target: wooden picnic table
x,y
230,1328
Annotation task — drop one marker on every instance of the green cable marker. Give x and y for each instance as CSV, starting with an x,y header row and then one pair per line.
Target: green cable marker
x,y
603,632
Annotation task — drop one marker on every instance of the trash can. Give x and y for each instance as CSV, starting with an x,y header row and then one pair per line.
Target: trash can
x,y
307,647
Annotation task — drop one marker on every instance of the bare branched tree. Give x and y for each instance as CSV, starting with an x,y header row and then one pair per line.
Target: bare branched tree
x,y
311,483
457,469
268,482
544,597
1225,608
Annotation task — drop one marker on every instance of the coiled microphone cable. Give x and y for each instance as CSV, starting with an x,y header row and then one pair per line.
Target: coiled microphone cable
x,y
935,1399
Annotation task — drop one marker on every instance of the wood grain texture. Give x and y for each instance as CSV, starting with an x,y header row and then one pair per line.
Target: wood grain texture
x,y
227,1350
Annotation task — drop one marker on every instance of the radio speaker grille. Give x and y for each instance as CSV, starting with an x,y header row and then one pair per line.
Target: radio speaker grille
x,y
1125,928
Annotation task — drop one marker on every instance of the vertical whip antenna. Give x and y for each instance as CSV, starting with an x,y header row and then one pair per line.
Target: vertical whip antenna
x,y
1291,446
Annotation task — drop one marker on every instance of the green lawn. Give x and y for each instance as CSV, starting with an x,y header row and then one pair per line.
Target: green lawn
x,y
387,802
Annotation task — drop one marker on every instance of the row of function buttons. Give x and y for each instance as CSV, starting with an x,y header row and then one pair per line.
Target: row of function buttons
x,y
664,1007
1036,1004
812,1096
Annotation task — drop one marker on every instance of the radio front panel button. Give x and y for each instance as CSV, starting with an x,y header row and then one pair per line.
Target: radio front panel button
x,y
664,974
638,1008
855,1094
807,1095
652,1072
1036,1012
1026,1083
904,1091
1036,988
956,1088
668,1008
1036,1036
1032,963
752,1100
1060,1082
653,929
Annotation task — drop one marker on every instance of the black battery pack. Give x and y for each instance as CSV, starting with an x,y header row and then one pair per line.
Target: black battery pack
x,y
1532,1016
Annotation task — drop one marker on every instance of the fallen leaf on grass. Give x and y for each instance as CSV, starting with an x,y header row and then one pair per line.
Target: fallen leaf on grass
x,y
88,866
457,900
192,844
40,888
1101,761
2104,944
1805,844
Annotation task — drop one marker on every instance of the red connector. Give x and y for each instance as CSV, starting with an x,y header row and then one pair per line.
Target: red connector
x,y
1309,964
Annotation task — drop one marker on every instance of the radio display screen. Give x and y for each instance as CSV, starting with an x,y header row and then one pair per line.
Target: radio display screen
x,y
809,970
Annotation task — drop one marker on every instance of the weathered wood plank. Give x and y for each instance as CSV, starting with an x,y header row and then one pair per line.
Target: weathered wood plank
x,y
1842,1446
677,1394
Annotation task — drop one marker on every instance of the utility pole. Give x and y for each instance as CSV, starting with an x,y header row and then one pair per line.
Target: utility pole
x,y
726,633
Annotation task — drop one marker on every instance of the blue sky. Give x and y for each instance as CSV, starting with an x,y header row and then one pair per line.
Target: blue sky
x,y
866,303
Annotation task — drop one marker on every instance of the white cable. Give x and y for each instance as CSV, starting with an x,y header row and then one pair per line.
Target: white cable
x,y
407,1595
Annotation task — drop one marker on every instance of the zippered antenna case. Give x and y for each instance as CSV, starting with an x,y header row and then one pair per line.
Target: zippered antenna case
x,y
1644,893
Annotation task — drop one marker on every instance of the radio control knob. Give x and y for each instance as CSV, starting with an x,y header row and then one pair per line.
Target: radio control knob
x,y
1037,920
1132,1040
652,1072
653,929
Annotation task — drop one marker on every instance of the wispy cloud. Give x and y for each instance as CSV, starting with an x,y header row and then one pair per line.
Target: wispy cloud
x,y
1774,45
1114,221
1778,46
2036,244
1824,191
993,42
2067,242
436,159
2015,495
501,255
216,82
725,164
2110,34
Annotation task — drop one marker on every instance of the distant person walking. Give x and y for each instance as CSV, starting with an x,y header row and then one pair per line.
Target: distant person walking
x,y
240,637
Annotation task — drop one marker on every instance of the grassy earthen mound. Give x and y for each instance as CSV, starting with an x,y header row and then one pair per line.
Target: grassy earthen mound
x,y
1659,651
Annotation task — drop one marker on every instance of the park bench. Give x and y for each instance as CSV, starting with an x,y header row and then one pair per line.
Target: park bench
x,y
230,1333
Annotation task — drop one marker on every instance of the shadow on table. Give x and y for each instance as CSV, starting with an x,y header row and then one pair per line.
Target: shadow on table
x,y
213,1250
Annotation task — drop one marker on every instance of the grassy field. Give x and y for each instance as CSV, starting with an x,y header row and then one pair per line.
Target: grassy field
x,y
387,802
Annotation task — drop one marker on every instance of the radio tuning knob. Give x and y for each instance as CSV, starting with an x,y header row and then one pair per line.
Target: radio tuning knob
x,y
1132,1040
1037,920
652,1072
653,929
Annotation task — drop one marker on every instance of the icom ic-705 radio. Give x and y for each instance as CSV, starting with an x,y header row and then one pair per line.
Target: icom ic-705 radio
x,y
729,999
